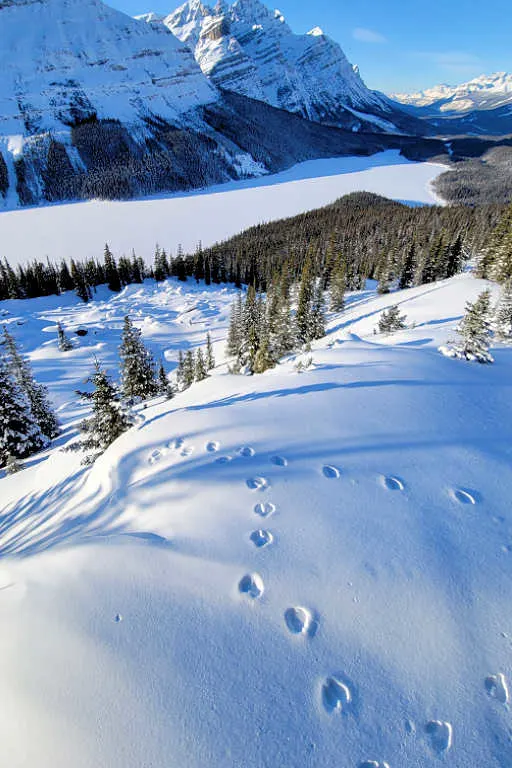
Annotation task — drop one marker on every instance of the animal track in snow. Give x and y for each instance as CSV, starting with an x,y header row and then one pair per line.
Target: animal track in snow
x,y
213,446
261,538
251,585
373,764
393,484
279,461
497,688
257,483
330,472
441,735
264,509
246,451
223,459
176,444
187,452
336,696
155,456
463,497
299,621
118,618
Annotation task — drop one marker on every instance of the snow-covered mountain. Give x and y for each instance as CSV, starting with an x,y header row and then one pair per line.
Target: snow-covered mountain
x,y
480,106
246,48
484,92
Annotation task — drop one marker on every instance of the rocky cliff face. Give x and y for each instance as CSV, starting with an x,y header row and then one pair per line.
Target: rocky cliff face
x,y
246,48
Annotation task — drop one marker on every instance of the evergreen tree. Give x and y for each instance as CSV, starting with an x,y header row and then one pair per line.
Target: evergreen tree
x,y
164,385
12,465
82,290
37,394
210,358
137,271
408,269
282,331
264,358
251,323
180,372
338,287
109,420
235,334
504,312
455,257
317,313
111,271
385,275
201,371
20,434
189,369
64,342
496,258
475,331
304,307
138,378
391,320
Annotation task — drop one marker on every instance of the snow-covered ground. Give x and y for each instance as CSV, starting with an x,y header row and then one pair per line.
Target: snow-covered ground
x,y
284,570
80,230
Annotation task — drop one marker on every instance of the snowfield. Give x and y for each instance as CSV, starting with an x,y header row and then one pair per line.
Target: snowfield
x,y
80,230
281,570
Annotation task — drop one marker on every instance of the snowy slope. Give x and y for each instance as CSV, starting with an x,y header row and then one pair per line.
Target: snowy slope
x,y
382,625
247,48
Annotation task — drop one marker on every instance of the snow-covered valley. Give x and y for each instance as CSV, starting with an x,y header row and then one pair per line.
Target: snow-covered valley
x,y
80,230
287,569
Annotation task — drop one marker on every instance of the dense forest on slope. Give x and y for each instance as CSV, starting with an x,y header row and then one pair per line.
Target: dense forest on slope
x,y
479,180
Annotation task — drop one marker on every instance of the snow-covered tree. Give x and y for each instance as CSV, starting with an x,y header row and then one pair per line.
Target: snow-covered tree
x,y
189,369
64,341
338,287
20,434
201,371
235,334
37,394
503,313
474,332
180,371
210,357
391,320
165,387
305,302
318,313
109,418
138,378
408,269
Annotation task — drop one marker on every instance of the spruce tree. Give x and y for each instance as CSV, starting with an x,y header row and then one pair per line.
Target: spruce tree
x,y
180,372
189,369
455,257
64,341
20,434
263,359
201,371
210,357
391,320
109,419
503,313
82,290
317,313
235,334
385,275
111,271
408,269
338,287
138,378
164,385
37,394
304,307
475,331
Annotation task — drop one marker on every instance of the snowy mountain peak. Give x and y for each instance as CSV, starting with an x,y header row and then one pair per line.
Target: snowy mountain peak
x,y
247,48
483,92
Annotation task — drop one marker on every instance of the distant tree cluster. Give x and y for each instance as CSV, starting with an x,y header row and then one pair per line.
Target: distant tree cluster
x,y
496,257
194,365
27,419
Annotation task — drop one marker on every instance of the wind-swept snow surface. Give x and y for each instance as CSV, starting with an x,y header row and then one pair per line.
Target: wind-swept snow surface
x,y
80,230
281,570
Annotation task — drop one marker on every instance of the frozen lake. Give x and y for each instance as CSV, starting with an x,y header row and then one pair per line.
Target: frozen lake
x,y
80,230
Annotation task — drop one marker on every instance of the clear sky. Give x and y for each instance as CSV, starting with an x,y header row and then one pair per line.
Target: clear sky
x,y
399,45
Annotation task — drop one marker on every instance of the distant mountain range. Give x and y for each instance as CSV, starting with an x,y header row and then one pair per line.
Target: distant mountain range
x,y
94,103
481,106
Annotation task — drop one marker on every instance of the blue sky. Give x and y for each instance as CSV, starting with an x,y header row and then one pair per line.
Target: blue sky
x,y
399,45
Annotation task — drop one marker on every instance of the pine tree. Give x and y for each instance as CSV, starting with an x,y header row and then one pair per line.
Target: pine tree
x,y
82,290
180,372
251,324
111,271
281,326
138,378
64,341
109,419
408,269
455,257
504,312
201,371
338,287
317,313
304,307
391,320
189,369
20,434
37,394
210,358
475,331
385,275
235,334
263,359
164,385
496,258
